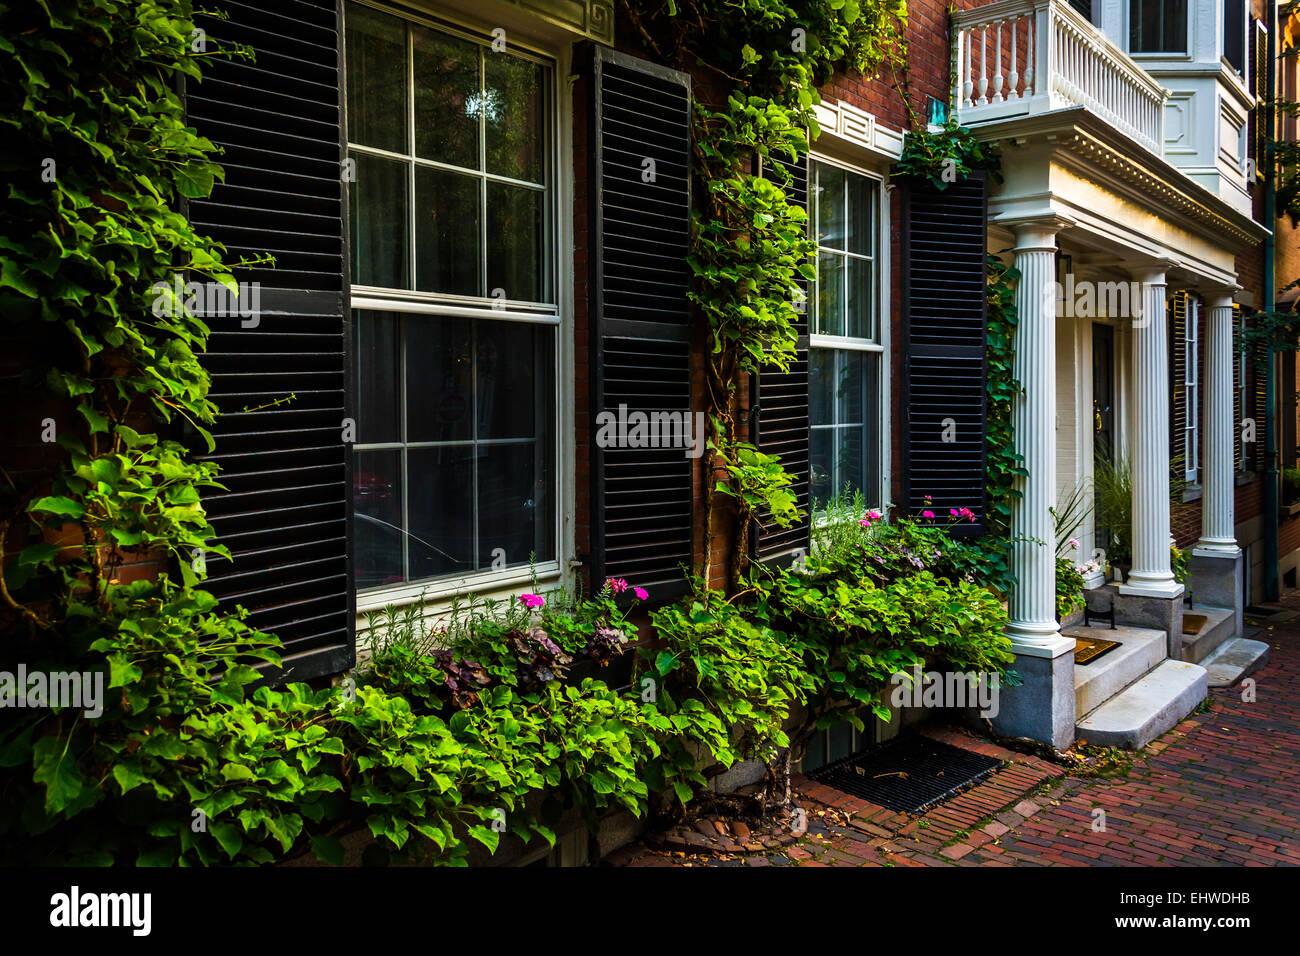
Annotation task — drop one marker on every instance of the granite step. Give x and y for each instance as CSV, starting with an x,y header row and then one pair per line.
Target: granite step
x,y
1235,659
1146,708
1141,649
1220,626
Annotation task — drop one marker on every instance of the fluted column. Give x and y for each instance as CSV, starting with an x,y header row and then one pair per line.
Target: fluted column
x,y
1032,606
1152,572
1218,521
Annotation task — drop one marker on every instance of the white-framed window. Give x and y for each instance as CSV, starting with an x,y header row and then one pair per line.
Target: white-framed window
x,y
847,368
1157,26
455,334
1191,359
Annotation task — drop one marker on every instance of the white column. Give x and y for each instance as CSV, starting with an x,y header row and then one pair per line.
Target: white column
x,y
1218,520
1032,623
1152,572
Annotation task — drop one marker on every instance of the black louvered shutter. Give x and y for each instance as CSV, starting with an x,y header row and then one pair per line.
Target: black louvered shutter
x,y
641,497
945,314
1238,413
1258,361
1177,317
781,425
284,518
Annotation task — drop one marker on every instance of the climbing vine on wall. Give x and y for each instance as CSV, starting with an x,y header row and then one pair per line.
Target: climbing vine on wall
x,y
757,65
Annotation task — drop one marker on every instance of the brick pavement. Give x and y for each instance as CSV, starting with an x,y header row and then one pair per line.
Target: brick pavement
x,y
1221,788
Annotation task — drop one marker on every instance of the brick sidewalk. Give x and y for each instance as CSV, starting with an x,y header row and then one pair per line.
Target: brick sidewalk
x,y
1221,788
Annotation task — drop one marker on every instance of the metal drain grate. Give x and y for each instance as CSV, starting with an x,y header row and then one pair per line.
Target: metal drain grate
x,y
908,775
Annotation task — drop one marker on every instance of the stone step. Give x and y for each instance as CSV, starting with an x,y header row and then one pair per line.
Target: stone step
x,y
1220,626
1141,648
1234,660
1147,708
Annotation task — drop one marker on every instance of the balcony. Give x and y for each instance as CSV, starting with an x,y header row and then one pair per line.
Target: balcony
x,y
1028,57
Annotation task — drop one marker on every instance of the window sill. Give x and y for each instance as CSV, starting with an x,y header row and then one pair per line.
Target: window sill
x,y
1245,478
1192,493
442,590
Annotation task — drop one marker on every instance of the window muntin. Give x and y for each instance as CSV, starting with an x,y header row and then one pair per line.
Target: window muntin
x,y
1157,26
846,357
456,329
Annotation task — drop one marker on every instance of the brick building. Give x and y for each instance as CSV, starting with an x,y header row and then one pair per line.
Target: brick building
x,y
492,271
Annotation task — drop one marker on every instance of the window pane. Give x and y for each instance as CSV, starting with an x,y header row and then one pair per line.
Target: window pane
x,y
862,215
516,509
377,522
860,312
848,387
873,434
516,383
447,98
376,65
830,206
829,319
844,392
514,104
447,233
822,478
821,386
515,242
441,508
438,379
378,377
379,226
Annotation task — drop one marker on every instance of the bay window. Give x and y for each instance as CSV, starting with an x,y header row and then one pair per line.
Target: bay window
x,y
455,322
846,353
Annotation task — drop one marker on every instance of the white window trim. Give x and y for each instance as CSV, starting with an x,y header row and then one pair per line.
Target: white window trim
x,y
882,342
559,313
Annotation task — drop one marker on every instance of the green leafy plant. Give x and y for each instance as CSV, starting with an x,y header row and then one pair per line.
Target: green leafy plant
x,y
946,155
1069,588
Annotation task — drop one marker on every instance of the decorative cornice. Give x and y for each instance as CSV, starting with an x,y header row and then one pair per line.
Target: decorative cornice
x,y
593,19
1089,145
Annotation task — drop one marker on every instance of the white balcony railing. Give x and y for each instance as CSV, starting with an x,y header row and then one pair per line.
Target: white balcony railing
x,y
1023,57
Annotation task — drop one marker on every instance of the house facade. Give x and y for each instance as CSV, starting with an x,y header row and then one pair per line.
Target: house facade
x,y
479,215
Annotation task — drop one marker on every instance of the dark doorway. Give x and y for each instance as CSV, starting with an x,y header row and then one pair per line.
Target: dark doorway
x,y
1103,408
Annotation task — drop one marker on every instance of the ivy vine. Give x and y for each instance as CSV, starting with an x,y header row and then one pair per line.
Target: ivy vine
x,y
758,64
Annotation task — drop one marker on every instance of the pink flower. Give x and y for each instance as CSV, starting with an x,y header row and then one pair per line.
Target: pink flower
x,y
873,515
927,514
532,600
618,585
641,594
1074,542
928,498
865,522
967,514
953,512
